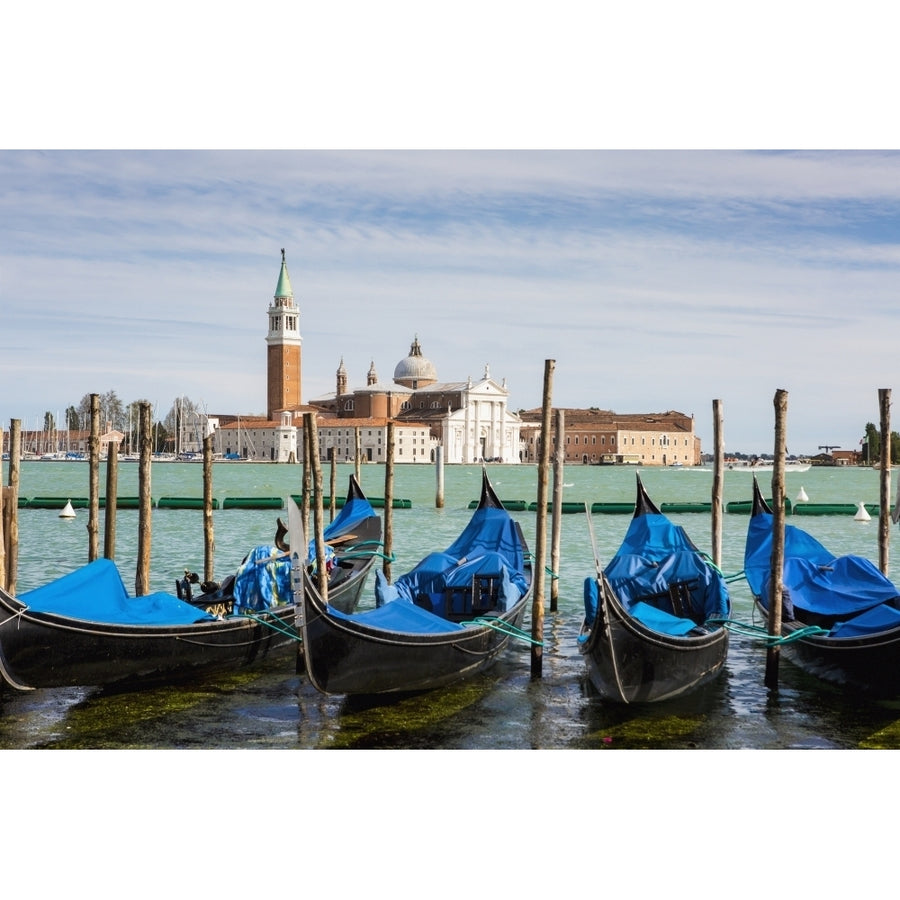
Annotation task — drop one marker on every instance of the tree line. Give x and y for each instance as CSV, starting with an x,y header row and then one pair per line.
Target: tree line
x,y
184,416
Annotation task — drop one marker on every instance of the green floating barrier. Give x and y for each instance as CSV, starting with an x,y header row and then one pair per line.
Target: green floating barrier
x,y
508,505
687,507
567,506
57,502
184,503
80,502
613,508
253,503
745,507
378,503
326,501
23,502
834,509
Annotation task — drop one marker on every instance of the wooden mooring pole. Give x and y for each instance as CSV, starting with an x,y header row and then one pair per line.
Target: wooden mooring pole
x,y
332,499
717,483
209,543
540,549
318,506
439,477
3,505
773,653
11,519
112,498
388,501
93,526
145,503
559,458
884,515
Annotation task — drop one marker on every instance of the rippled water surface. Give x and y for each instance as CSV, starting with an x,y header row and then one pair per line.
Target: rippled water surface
x,y
273,707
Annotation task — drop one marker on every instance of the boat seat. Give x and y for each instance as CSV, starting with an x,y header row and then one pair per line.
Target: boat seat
x,y
480,596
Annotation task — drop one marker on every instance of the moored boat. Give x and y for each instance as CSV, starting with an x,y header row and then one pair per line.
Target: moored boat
x,y
84,629
446,619
840,616
654,625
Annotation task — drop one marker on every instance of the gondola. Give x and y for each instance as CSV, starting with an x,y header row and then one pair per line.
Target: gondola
x,y
654,617
840,616
83,629
444,620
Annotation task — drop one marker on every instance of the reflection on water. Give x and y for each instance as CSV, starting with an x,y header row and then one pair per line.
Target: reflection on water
x,y
504,708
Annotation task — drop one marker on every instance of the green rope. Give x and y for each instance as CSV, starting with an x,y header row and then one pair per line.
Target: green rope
x,y
274,625
504,628
770,640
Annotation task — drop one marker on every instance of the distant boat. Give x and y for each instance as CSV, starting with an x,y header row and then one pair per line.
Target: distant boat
x,y
766,465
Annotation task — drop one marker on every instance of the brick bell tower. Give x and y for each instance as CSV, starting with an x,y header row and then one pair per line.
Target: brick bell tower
x,y
284,343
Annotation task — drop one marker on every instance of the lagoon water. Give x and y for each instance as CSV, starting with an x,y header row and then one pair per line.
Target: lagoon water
x,y
273,707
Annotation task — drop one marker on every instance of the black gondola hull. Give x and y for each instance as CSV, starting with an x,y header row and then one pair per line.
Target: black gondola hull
x,y
646,666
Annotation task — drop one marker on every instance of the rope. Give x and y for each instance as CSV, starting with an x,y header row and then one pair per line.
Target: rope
x,y
292,633
506,628
770,640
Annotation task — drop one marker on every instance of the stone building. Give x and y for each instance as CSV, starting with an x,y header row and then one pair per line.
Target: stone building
x,y
603,437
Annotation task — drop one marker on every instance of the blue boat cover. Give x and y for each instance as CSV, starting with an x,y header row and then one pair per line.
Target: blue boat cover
x,y
352,513
489,546
96,593
816,580
657,553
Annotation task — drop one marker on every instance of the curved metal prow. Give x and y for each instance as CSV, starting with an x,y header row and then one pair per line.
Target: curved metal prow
x,y
759,502
643,505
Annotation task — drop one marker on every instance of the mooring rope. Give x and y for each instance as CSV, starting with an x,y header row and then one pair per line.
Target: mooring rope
x,y
506,628
292,633
770,640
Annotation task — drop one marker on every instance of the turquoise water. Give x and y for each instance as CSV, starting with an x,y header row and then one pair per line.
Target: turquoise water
x,y
505,708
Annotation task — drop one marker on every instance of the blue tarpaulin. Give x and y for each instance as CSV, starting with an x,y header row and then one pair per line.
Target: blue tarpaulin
x,y
96,593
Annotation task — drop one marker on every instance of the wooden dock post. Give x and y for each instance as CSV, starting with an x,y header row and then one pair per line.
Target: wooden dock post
x,y
439,477
388,500
93,526
357,452
307,481
318,506
145,503
559,459
540,549
11,523
332,500
717,483
884,473
773,653
3,493
112,497
209,543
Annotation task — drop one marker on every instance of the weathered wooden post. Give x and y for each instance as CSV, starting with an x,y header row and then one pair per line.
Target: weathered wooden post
x,y
540,549
318,507
93,526
439,477
145,504
11,530
332,499
112,499
388,500
773,653
357,452
209,544
559,460
307,480
717,483
3,492
884,522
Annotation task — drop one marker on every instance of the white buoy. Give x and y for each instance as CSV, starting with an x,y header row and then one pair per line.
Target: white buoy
x,y
862,514
801,497
67,511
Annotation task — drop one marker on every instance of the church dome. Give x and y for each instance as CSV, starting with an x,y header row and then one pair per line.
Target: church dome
x,y
415,371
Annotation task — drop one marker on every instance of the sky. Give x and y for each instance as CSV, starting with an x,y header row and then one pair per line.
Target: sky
x,y
660,269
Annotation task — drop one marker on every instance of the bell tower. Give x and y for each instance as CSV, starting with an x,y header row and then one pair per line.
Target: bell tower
x,y
284,343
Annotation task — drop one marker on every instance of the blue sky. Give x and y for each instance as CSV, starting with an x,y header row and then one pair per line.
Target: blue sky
x,y
661,278
656,279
